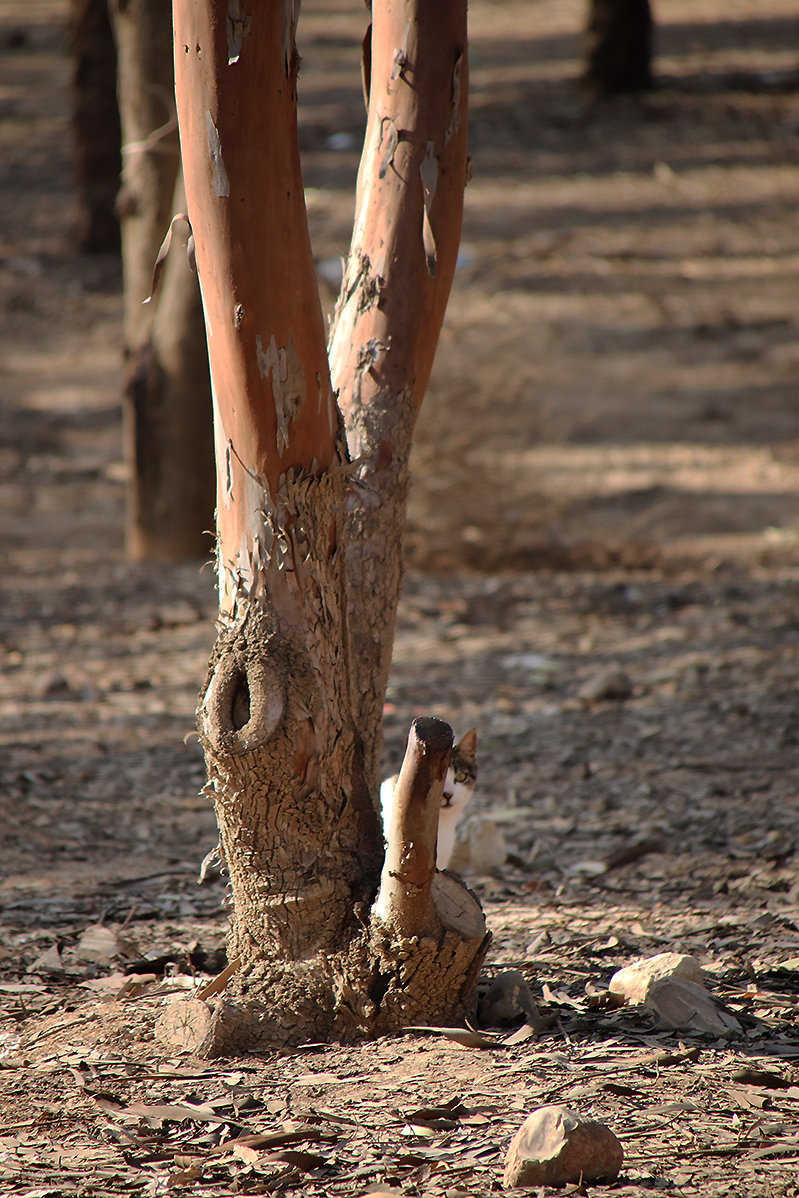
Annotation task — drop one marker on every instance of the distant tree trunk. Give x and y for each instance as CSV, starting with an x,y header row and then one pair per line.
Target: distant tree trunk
x,y
618,47
327,939
96,125
168,410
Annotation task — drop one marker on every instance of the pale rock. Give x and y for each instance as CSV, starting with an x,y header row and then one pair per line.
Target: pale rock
x,y
49,962
678,1003
555,1146
101,945
612,683
480,847
635,981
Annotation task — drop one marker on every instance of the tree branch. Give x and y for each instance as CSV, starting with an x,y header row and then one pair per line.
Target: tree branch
x,y
405,901
274,409
389,314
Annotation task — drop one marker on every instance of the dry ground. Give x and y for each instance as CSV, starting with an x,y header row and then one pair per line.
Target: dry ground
x,y
605,476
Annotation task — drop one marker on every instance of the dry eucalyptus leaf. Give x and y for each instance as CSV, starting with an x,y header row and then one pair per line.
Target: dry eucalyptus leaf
x,y
175,1111
460,1035
298,1159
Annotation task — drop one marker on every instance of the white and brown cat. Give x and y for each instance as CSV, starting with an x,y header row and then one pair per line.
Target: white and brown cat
x,y
458,790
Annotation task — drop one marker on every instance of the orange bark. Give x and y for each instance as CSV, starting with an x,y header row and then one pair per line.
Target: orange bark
x,y
235,79
409,204
401,265
290,716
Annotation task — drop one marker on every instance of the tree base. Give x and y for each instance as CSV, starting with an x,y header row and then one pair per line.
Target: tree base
x,y
379,986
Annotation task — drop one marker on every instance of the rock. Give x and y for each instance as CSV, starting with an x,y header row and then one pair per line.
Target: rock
x,y
49,962
612,683
56,687
555,1145
677,1003
507,1001
101,945
635,981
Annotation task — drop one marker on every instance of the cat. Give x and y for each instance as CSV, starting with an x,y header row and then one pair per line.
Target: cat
x,y
458,789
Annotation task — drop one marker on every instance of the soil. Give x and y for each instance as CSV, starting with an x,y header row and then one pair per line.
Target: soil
x,y
605,483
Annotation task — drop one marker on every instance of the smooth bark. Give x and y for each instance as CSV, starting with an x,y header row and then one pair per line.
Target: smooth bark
x,y
150,152
169,439
405,901
409,209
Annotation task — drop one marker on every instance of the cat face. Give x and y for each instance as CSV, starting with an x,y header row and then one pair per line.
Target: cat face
x,y
462,773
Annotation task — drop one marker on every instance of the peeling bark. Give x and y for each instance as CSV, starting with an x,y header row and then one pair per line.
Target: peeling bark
x,y
409,208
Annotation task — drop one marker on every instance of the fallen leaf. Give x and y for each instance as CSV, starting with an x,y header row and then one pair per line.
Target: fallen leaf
x,y
762,1077
460,1035
176,1111
298,1159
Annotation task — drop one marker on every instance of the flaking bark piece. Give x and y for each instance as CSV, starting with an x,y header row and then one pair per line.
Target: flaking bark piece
x,y
160,262
405,901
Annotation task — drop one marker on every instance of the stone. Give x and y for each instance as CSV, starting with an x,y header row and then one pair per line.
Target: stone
x,y
555,1145
507,1001
635,981
678,1003
101,945
612,683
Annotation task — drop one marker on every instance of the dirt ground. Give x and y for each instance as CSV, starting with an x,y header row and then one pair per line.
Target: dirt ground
x,y
606,478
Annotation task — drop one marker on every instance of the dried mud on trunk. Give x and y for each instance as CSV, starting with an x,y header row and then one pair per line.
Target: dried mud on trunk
x,y
605,484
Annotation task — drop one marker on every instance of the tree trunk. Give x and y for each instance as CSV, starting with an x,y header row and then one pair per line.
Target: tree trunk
x,y
290,713
169,439
96,125
168,409
618,47
408,215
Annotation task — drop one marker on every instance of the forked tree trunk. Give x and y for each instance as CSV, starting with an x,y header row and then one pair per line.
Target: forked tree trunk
x,y
168,413
309,536
618,47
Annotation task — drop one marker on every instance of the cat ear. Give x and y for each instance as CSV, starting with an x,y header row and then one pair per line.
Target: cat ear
x,y
468,745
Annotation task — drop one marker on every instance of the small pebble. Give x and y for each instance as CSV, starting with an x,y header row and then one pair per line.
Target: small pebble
x,y
612,683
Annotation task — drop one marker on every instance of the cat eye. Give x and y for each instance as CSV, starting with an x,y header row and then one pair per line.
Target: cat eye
x,y
461,776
